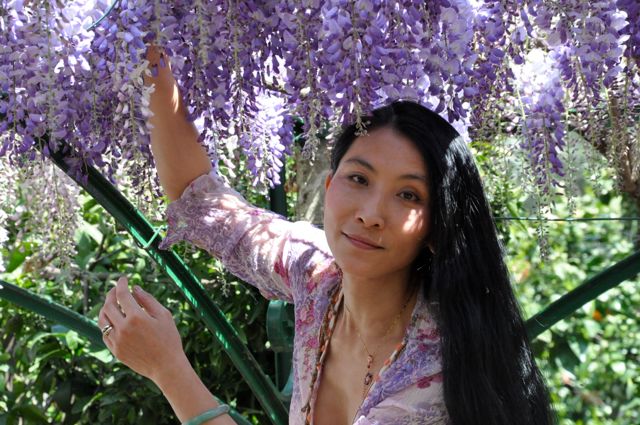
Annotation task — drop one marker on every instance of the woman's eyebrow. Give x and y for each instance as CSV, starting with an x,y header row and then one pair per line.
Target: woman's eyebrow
x,y
370,167
362,162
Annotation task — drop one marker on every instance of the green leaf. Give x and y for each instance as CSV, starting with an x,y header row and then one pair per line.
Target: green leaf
x,y
92,231
619,367
16,257
111,399
41,335
31,414
62,395
73,340
104,355
592,328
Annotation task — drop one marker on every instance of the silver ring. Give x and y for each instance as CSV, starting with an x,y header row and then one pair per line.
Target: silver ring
x,y
107,330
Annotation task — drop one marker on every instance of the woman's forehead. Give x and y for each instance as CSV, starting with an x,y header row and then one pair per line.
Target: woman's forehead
x,y
386,150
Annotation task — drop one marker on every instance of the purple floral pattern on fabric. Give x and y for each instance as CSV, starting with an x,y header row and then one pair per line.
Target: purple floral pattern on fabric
x,y
292,262
428,380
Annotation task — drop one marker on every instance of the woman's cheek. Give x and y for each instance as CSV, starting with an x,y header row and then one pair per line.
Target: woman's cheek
x,y
337,193
348,189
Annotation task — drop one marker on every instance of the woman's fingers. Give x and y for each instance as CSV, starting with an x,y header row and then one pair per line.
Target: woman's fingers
x,y
144,336
102,322
159,67
111,309
149,303
128,304
156,55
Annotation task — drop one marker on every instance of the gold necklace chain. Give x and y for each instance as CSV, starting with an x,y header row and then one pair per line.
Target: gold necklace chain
x,y
368,378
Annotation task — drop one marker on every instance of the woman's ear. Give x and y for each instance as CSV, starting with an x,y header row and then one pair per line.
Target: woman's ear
x,y
327,180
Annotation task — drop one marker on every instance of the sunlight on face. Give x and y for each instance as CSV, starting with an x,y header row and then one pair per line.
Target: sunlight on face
x,y
376,215
413,221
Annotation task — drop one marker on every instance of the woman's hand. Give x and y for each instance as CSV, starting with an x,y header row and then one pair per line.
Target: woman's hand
x,y
144,336
165,98
160,69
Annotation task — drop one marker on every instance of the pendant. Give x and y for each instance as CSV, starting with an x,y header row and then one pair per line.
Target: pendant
x,y
367,379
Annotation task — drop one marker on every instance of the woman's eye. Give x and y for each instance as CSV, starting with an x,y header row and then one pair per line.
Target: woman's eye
x,y
356,178
409,196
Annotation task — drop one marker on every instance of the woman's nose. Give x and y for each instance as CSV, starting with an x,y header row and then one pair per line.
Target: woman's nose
x,y
371,213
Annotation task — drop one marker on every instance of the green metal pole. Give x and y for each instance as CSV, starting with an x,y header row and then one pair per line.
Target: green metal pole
x,y
591,289
52,311
278,197
104,16
137,225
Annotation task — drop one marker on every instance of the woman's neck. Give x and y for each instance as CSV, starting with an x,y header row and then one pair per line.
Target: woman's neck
x,y
374,303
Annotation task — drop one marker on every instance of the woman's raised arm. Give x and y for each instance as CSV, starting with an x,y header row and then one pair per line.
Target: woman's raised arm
x,y
178,156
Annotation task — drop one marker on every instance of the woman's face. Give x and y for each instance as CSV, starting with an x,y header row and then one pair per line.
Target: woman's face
x,y
376,216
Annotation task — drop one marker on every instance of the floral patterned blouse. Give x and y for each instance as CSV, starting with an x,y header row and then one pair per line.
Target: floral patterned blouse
x,y
292,262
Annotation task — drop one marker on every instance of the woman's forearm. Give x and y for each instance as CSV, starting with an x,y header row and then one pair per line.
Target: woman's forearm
x,y
187,394
178,156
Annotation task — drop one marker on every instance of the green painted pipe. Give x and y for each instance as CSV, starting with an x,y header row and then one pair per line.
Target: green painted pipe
x,y
144,234
590,290
52,311
104,16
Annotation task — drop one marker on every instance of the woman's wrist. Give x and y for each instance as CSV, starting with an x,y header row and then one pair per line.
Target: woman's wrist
x,y
184,390
208,415
165,100
172,372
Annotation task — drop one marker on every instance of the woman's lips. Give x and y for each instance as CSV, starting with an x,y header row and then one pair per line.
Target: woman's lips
x,y
361,243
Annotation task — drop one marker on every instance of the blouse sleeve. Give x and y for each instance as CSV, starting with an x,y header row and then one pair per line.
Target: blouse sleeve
x,y
259,246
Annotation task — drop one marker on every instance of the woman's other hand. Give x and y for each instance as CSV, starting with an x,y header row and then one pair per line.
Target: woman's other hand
x,y
144,336
159,68
165,99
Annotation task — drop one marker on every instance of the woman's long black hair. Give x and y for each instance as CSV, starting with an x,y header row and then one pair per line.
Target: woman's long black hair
x,y
489,372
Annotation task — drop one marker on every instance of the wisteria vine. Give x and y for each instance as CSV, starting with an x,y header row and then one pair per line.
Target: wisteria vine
x,y
248,69
328,61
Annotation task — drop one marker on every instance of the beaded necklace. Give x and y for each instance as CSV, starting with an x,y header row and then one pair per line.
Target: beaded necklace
x,y
370,356
326,330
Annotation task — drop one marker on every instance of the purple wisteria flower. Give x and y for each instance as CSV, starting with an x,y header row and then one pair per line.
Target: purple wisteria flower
x,y
542,94
249,68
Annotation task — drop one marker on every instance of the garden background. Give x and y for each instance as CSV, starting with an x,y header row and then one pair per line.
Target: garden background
x,y
546,93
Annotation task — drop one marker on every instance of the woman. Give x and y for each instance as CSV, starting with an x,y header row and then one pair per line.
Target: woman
x,y
404,309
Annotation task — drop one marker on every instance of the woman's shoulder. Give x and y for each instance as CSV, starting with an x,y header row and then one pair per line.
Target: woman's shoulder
x,y
311,261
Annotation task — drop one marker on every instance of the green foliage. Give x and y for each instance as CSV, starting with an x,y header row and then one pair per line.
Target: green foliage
x,y
591,360
48,374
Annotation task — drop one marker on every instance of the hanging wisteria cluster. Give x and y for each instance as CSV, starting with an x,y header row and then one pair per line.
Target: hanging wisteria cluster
x,y
248,69
41,206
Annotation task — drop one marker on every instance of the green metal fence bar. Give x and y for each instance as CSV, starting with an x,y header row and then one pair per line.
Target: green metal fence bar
x,y
143,233
68,318
104,16
52,311
590,290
